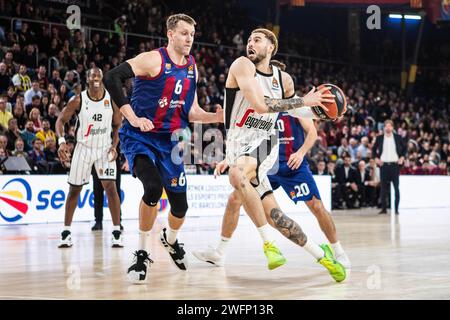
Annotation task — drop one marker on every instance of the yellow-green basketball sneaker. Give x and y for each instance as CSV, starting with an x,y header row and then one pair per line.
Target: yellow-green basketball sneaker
x,y
336,269
274,256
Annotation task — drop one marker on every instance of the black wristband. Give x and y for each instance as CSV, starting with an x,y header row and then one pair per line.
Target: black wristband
x,y
114,80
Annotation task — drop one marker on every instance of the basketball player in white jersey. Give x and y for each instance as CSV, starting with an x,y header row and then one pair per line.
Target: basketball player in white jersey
x,y
254,95
97,117
284,224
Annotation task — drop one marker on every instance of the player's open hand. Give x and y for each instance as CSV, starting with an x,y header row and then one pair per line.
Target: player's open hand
x,y
318,98
219,113
220,168
63,153
143,123
295,160
112,152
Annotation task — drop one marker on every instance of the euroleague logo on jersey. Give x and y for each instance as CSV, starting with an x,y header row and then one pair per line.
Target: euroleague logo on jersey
x,y
13,199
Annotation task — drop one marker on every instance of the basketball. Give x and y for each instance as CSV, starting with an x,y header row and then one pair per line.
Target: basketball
x,y
336,109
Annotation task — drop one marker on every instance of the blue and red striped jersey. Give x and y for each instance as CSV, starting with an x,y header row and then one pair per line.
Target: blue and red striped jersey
x,y
167,98
291,136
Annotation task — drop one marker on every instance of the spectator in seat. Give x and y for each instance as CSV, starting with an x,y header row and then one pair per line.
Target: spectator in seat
x,y
28,135
346,177
362,181
32,92
321,169
12,134
52,115
5,79
35,103
46,133
37,158
41,78
373,185
21,80
19,150
35,116
4,114
19,114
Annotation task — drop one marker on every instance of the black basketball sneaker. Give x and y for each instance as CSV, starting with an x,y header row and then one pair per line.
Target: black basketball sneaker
x,y
137,273
175,250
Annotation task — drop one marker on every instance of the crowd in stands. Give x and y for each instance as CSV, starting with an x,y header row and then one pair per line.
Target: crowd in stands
x,y
32,96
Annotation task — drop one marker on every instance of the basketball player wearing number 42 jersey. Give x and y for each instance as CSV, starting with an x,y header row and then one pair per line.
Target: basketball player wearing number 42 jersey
x,y
163,101
252,104
96,116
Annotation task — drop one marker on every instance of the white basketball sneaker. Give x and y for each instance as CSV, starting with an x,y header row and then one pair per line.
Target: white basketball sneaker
x,y
210,255
117,240
66,239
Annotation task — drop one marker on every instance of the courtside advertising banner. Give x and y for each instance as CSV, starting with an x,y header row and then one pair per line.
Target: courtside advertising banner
x,y
26,199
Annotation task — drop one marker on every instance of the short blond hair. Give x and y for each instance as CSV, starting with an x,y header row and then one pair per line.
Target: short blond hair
x,y
269,35
389,121
171,22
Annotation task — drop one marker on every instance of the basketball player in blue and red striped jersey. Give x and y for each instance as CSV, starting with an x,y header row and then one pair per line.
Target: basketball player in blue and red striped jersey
x,y
163,101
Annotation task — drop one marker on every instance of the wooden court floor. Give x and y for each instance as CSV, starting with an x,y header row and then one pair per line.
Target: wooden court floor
x,y
403,258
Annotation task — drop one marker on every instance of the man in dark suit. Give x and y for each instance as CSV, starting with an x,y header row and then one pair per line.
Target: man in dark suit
x,y
362,181
346,178
389,152
321,169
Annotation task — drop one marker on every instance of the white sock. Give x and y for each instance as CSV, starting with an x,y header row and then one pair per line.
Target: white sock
x,y
66,228
223,244
171,235
265,233
313,248
144,240
337,248
116,228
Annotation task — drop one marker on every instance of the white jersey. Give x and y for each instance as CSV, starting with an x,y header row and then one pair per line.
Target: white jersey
x,y
93,133
252,134
94,124
242,122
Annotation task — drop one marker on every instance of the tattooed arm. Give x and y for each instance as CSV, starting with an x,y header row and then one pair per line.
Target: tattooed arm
x,y
242,76
311,99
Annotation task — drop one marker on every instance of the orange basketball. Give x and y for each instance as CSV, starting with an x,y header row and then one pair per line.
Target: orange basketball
x,y
336,108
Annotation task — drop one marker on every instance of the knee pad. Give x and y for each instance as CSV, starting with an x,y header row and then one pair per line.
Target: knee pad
x,y
148,174
178,203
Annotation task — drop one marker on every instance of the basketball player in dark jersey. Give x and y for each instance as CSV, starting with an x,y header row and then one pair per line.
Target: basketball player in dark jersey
x,y
163,102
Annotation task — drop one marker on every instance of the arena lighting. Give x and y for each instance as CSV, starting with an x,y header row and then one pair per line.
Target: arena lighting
x,y
412,17
406,16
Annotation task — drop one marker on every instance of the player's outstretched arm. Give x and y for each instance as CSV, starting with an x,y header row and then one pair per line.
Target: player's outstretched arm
x,y
72,107
311,99
145,64
197,114
289,92
242,75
